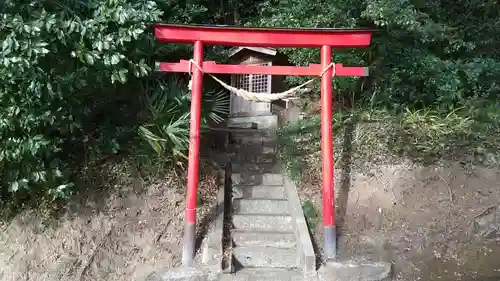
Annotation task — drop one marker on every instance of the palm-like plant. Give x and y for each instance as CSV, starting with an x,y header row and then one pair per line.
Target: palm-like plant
x,y
167,132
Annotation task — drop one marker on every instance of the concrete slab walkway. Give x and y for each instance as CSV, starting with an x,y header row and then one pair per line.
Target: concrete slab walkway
x,y
331,271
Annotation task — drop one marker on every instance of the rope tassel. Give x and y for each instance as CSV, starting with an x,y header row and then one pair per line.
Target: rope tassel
x,y
262,97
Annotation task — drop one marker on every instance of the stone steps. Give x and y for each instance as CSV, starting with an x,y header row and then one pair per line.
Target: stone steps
x,y
268,121
246,140
259,191
254,157
255,148
257,179
276,222
263,234
258,205
252,136
276,239
256,168
267,257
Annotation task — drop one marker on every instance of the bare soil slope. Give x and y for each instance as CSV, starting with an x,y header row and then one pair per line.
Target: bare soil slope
x,y
432,222
123,235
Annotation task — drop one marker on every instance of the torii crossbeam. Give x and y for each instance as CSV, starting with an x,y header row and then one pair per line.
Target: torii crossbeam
x,y
325,39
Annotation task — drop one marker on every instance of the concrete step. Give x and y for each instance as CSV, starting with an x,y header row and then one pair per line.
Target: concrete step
x,y
255,148
260,168
263,274
260,205
253,137
263,138
260,191
263,122
264,238
244,125
270,222
250,136
355,269
242,139
244,157
253,132
270,257
257,179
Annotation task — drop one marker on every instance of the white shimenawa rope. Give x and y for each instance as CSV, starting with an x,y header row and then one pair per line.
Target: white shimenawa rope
x,y
262,97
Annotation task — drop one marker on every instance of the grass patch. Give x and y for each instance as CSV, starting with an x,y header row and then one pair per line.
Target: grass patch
x,y
312,214
422,136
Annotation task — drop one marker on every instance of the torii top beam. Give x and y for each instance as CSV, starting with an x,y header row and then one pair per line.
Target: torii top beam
x,y
263,37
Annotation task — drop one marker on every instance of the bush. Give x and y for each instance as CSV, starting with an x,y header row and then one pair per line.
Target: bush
x,y
57,61
167,130
424,136
311,214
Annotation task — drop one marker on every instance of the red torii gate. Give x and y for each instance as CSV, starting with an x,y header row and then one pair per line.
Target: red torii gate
x,y
201,35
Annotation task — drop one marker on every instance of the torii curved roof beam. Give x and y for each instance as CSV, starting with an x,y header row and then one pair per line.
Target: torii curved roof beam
x,y
263,37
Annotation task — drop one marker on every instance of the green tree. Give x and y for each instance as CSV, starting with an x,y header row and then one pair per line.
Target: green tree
x,y
438,53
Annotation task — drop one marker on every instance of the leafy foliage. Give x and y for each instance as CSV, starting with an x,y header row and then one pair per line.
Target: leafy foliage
x,y
432,84
168,131
72,76
53,55
311,214
380,136
424,52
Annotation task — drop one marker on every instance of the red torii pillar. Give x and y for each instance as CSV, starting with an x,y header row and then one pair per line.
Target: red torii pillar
x,y
263,37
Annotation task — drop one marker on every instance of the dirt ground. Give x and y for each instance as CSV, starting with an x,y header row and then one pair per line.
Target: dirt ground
x,y
125,234
438,222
